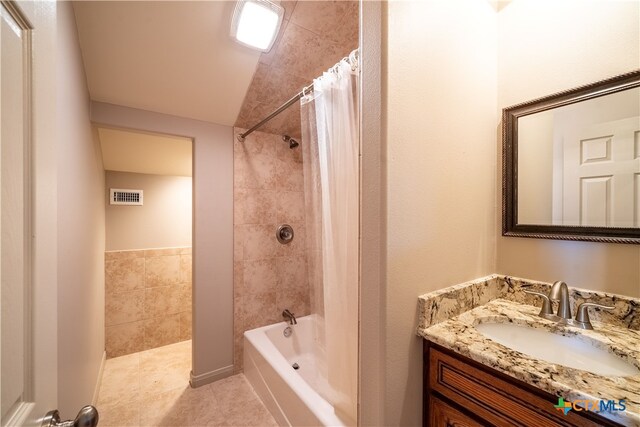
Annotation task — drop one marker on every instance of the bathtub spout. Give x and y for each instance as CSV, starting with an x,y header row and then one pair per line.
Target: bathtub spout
x,y
290,317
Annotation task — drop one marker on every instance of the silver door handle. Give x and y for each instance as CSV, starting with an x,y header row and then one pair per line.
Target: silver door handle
x,y
87,417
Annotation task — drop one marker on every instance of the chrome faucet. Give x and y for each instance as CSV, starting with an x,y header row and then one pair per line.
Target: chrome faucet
x,y
560,293
291,318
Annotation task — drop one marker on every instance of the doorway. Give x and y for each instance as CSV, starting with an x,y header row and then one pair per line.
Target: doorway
x,y
148,285
148,265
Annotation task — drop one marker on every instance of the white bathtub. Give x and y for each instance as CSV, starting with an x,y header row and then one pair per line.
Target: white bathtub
x,y
294,397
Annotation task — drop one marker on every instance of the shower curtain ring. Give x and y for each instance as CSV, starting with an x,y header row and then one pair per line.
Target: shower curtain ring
x,y
353,59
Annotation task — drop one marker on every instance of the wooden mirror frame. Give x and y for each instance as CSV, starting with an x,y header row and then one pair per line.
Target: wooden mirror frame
x,y
510,115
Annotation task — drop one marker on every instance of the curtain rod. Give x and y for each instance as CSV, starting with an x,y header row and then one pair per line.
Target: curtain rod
x,y
280,109
353,56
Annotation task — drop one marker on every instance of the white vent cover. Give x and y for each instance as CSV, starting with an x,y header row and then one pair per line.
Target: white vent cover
x,y
125,197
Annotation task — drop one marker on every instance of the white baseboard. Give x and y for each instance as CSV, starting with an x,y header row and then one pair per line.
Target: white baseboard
x,y
209,377
96,391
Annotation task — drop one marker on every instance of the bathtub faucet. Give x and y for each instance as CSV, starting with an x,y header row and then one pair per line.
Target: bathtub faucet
x,y
291,318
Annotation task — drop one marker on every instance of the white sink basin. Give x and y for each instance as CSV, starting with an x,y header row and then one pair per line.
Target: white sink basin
x,y
558,349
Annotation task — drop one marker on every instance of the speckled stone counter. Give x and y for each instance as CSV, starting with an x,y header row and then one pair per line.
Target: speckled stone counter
x,y
448,317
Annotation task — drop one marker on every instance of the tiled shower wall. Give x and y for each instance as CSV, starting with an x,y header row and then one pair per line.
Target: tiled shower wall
x,y
268,276
147,299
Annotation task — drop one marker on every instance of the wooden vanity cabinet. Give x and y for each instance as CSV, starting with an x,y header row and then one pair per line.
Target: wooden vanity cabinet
x,y
463,393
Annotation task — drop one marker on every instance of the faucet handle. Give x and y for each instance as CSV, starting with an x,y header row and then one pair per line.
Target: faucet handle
x,y
546,309
582,314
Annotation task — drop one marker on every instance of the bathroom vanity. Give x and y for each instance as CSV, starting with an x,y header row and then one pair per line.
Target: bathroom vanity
x,y
473,376
461,392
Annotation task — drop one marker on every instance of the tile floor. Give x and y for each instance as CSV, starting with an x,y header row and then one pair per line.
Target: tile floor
x,y
151,388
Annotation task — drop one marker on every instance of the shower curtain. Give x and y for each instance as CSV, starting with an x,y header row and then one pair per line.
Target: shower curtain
x,y
330,132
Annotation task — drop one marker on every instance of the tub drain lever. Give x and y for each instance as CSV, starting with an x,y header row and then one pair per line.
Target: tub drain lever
x,y
295,366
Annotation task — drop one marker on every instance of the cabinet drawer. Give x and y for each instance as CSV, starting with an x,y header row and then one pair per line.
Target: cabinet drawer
x,y
444,415
491,398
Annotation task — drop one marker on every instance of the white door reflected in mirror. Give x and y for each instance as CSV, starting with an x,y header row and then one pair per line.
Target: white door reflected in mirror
x,y
579,164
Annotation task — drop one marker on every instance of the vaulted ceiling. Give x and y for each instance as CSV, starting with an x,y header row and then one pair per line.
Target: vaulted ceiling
x,y
172,57
313,37
176,57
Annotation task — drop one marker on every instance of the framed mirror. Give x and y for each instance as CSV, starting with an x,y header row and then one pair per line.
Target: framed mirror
x,y
571,164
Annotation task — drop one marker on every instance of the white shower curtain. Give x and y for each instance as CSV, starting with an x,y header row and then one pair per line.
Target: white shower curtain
x,y
330,148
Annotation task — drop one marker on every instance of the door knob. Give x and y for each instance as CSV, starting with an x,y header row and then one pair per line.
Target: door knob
x,y
87,417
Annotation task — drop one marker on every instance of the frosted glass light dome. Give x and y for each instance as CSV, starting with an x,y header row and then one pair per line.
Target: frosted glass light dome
x,y
256,23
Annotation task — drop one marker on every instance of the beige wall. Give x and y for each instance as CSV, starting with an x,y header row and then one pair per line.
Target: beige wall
x,y
163,221
212,230
582,42
441,119
81,238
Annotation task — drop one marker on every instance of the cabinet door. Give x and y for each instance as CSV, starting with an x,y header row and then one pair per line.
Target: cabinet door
x,y
443,415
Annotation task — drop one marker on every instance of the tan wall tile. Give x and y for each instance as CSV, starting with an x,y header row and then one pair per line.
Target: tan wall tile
x,y
162,271
291,273
290,207
124,307
124,274
161,331
289,176
186,268
238,242
260,310
185,325
268,276
298,42
148,253
255,172
185,293
260,242
238,314
294,300
111,255
259,276
258,144
253,206
163,300
128,304
238,279
238,352
333,20
124,339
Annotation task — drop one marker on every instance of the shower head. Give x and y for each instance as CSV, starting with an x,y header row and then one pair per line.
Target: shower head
x,y
292,142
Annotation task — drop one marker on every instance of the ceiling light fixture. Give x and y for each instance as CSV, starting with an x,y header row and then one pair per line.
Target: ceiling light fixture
x,y
256,23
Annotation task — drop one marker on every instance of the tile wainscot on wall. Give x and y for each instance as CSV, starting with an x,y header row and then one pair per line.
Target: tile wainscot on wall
x,y
147,299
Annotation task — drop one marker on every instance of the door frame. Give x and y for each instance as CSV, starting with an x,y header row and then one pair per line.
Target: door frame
x,y
42,387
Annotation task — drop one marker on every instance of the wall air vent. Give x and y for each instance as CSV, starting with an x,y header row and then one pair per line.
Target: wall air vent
x,y
125,197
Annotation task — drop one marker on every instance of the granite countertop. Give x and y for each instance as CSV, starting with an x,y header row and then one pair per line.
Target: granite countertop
x,y
448,318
